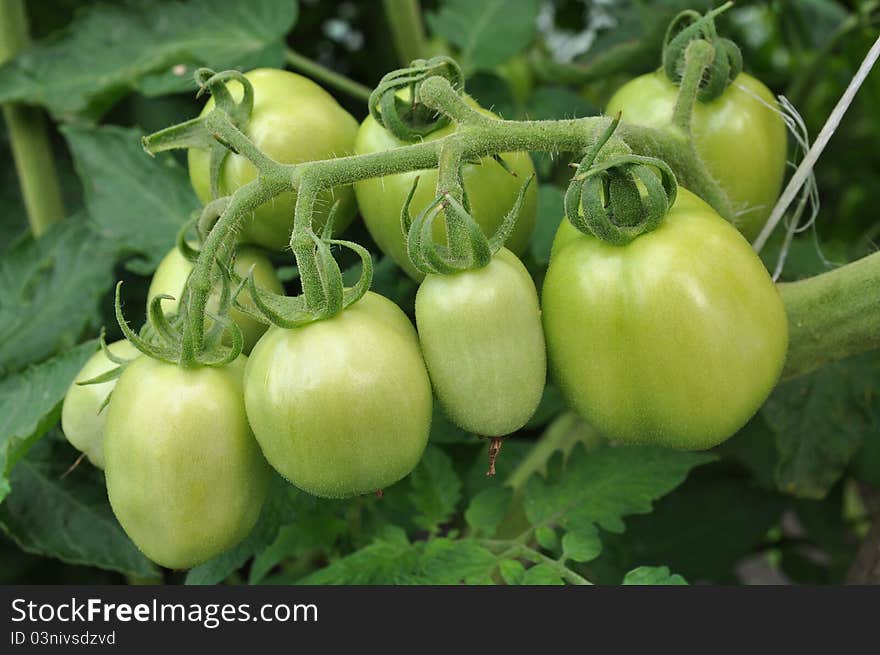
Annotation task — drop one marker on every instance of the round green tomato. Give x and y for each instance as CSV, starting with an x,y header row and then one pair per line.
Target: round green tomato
x,y
185,476
342,406
739,136
483,343
490,189
83,413
293,120
173,272
675,339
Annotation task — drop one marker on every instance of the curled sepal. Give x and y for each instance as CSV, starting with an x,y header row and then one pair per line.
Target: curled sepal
x,y
401,113
352,294
159,320
689,26
221,355
617,195
502,234
405,215
156,350
194,133
210,214
468,249
183,243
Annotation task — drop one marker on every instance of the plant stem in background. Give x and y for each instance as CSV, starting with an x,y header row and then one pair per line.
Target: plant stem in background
x,y
323,74
28,135
405,20
832,316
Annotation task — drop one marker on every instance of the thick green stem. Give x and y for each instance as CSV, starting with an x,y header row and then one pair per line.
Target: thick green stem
x,y
28,133
329,77
405,20
697,57
832,316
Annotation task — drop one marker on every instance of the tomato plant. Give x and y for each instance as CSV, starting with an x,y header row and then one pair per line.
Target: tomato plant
x,y
481,335
83,413
490,189
174,269
324,431
293,120
676,338
185,477
341,407
740,136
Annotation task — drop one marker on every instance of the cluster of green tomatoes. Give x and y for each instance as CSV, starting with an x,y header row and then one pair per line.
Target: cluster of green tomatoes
x,y
674,339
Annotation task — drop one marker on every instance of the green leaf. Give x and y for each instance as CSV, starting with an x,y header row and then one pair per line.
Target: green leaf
x,y
546,537
512,571
448,562
653,575
49,292
30,404
820,422
486,33
315,526
392,559
603,486
487,509
69,517
582,544
436,489
542,574
554,102
551,210
701,530
138,202
109,50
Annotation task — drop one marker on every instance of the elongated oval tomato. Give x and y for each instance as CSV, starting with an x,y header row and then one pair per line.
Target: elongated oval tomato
x,y
83,413
490,189
185,476
173,272
342,406
483,343
739,136
293,120
674,339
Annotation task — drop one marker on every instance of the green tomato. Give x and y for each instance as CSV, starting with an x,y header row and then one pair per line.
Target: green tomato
x,y
83,413
483,343
185,476
174,270
293,120
490,189
675,339
342,406
740,137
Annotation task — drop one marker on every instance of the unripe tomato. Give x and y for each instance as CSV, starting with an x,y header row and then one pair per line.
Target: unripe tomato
x,y
675,339
174,269
341,406
490,189
483,343
83,414
293,120
185,476
739,136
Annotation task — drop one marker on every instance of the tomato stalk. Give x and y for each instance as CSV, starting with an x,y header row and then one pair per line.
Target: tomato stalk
x,y
697,58
832,316
28,133
407,31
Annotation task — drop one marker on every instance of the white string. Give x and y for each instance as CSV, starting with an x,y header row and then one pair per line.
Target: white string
x,y
806,167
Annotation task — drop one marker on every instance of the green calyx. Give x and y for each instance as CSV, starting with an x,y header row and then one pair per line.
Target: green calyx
x,y
466,246
617,195
395,105
717,70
